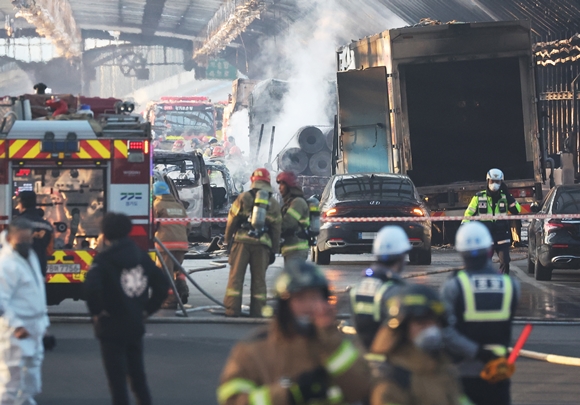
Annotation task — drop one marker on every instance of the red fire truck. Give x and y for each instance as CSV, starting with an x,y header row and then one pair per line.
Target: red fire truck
x,y
79,171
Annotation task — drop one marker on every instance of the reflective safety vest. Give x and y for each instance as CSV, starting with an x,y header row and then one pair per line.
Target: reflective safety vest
x,y
366,298
481,204
486,311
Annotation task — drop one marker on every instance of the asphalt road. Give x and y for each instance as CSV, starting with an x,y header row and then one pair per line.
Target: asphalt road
x,y
184,360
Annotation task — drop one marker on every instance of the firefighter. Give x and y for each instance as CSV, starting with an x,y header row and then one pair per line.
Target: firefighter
x,y
496,200
300,357
252,236
381,279
407,357
295,218
174,238
482,305
43,231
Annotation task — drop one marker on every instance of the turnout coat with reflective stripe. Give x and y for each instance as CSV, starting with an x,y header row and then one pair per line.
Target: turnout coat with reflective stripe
x,y
295,218
260,370
173,236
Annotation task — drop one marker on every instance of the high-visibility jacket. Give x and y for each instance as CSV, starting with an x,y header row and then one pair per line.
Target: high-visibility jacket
x,y
483,204
173,236
240,212
261,370
367,301
482,305
295,220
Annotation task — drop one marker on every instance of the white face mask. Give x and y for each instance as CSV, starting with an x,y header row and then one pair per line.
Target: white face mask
x,y
494,186
430,339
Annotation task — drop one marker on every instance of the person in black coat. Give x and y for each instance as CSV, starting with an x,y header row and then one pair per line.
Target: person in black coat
x,y
117,289
43,230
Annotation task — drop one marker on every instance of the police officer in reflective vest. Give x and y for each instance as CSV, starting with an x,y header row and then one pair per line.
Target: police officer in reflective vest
x,y
295,218
252,235
381,280
482,304
496,200
300,357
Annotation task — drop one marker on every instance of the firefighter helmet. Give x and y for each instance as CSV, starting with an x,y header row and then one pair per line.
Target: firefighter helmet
x,y
288,178
414,301
160,188
218,151
495,174
473,238
261,179
391,244
299,276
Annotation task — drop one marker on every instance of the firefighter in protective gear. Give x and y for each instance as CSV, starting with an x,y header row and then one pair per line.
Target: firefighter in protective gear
x,y
295,218
482,304
380,280
252,235
496,200
174,238
407,357
24,316
300,357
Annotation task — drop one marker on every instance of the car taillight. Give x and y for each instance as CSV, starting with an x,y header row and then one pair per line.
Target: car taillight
x,y
554,224
418,212
329,213
522,192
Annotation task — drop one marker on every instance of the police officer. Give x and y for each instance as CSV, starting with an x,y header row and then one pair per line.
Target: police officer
x,y
295,218
482,304
407,355
174,238
252,235
496,200
383,277
300,357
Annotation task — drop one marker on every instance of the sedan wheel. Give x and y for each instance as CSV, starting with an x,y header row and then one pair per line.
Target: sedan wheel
x,y
320,257
542,273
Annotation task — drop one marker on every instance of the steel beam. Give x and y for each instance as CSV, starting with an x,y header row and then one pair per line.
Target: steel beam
x,y
54,20
152,17
231,19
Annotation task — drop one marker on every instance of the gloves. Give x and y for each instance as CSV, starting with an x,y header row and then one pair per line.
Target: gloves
x,y
497,370
485,355
49,342
272,257
309,385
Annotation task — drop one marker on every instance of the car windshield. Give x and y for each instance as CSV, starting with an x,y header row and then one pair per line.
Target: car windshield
x,y
379,187
567,202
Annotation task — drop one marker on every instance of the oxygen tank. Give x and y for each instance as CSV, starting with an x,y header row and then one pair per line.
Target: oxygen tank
x,y
313,204
259,212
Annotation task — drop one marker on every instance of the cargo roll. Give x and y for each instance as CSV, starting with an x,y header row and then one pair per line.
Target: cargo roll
x,y
311,139
293,159
329,134
319,164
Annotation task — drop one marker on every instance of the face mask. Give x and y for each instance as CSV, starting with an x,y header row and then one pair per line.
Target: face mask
x,y
430,340
494,187
23,249
304,326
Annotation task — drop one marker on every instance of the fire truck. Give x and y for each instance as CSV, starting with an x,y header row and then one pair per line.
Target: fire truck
x,y
80,170
176,118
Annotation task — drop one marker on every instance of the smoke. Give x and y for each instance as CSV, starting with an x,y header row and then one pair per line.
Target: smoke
x,y
305,56
239,128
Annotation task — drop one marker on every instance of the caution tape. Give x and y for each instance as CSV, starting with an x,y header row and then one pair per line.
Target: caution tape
x,y
526,217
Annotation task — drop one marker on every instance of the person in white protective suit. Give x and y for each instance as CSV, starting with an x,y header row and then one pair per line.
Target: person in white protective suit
x,y
24,319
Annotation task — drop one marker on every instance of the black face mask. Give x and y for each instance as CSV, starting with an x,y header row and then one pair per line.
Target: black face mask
x,y
23,249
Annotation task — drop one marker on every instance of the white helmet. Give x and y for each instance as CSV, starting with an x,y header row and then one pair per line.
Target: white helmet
x,y
494,174
473,236
391,242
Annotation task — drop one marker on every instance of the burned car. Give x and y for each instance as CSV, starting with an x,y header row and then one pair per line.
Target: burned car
x,y
188,179
223,188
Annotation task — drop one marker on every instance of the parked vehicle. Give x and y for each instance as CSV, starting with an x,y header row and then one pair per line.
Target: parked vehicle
x,y
555,243
189,178
364,195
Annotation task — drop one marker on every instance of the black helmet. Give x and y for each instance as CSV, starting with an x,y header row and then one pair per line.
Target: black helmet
x,y
414,301
299,276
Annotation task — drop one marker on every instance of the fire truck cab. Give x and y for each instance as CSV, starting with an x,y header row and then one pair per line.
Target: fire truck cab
x,y
79,170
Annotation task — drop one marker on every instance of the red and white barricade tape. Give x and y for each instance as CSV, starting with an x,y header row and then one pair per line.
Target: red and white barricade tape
x,y
525,217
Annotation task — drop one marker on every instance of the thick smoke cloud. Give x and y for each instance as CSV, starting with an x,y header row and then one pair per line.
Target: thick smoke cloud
x,y
305,55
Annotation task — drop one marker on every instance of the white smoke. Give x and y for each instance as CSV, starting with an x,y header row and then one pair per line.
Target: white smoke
x,y
306,56
239,128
